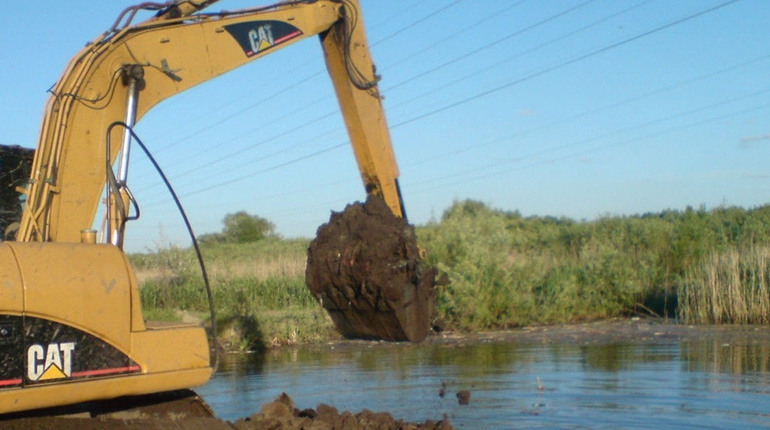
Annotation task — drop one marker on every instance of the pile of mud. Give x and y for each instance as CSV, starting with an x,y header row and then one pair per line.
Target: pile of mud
x,y
183,409
15,167
364,267
281,414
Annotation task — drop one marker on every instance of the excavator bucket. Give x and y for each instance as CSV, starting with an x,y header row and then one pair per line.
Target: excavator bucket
x,y
364,267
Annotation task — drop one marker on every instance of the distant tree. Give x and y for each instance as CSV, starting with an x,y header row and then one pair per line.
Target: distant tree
x,y
211,238
242,227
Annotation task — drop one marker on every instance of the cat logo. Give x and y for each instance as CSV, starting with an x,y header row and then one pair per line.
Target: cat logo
x,y
50,362
261,38
256,37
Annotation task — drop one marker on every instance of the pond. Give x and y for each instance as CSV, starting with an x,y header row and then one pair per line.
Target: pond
x,y
668,383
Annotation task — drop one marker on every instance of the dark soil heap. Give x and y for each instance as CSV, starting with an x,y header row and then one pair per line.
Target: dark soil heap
x,y
183,409
15,167
281,414
364,267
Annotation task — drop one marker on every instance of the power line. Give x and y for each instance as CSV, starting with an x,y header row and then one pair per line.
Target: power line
x,y
475,74
239,112
601,108
415,23
471,27
565,63
507,37
283,90
477,96
486,175
485,93
493,43
294,84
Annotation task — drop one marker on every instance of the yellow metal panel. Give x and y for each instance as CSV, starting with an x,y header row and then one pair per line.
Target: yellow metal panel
x,y
169,349
85,286
137,318
363,112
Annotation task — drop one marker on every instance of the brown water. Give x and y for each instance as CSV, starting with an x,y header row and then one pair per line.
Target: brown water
x,y
667,384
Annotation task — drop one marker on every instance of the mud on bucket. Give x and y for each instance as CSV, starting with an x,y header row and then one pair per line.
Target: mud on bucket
x,y
364,267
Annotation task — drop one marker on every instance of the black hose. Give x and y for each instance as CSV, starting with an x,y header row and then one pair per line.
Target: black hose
x,y
210,296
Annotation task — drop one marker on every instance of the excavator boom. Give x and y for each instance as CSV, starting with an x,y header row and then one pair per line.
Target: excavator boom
x,y
124,73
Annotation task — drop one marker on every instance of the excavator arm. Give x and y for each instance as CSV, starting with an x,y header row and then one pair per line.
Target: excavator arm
x,y
122,74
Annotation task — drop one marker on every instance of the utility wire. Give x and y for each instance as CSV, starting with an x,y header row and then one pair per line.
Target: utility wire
x,y
614,105
487,174
329,114
572,118
291,86
471,27
564,64
494,43
415,23
488,92
238,112
475,74
569,62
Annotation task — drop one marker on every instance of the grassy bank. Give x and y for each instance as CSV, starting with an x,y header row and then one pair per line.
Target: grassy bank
x,y
507,270
259,292
504,270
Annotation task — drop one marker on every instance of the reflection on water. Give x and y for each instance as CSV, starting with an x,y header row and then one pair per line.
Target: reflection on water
x,y
662,385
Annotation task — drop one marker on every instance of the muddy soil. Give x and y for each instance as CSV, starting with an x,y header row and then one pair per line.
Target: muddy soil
x,y
615,330
185,410
281,414
15,167
364,267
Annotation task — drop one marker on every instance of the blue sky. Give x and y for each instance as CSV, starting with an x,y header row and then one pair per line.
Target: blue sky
x,y
548,107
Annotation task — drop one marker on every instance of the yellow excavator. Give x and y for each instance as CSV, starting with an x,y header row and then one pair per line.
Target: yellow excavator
x,y
71,324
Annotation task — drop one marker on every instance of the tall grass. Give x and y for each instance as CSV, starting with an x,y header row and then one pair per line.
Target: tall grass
x,y
729,287
258,288
504,270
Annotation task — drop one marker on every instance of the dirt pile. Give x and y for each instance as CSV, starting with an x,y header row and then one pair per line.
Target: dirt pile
x,y
185,410
15,167
281,414
364,267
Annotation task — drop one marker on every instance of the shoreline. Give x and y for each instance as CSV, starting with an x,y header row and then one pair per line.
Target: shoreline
x,y
598,332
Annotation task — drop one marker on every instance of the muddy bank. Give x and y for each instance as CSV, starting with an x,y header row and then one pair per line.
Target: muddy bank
x,y
281,414
616,330
185,410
